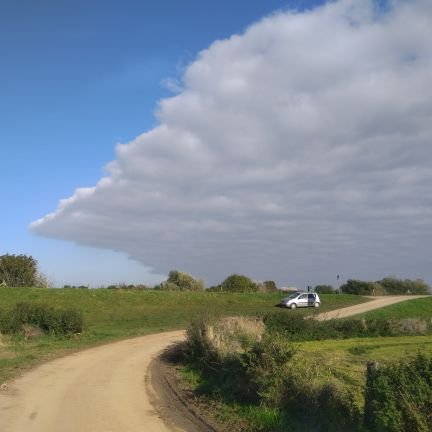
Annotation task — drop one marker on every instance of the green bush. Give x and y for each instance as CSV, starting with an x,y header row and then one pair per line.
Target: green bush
x,y
238,283
18,270
358,287
181,281
44,317
393,285
296,328
266,366
325,289
398,398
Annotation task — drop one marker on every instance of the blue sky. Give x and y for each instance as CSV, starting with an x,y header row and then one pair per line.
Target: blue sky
x,y
78,78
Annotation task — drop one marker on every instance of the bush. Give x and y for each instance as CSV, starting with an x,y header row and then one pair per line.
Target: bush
x,y
296,328
18,270
46,318
238,283
325,289
266,366
396,286
398,397
180,281
358,287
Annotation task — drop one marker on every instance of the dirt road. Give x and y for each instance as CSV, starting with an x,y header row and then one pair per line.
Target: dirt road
x,y
106,389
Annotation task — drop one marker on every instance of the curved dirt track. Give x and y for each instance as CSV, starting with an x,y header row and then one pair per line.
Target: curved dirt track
x,y
108,388
103,389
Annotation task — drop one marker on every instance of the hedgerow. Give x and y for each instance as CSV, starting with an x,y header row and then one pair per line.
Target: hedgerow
x,y
41,316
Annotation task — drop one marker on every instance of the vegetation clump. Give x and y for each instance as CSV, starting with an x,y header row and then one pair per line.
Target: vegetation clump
x,y
296,328
28,318
238,283
399,396
181,281
21,271
386,286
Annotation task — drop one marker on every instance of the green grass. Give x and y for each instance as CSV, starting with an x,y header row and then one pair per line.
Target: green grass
x,y
115,314
348,358
415,308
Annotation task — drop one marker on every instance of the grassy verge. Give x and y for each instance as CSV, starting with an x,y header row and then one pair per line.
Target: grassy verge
x,y
416,308
115,314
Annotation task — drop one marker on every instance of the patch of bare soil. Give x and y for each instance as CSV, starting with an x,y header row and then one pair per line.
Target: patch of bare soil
x,y
175,400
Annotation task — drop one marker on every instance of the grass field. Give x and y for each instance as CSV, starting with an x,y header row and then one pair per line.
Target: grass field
x,y
114,314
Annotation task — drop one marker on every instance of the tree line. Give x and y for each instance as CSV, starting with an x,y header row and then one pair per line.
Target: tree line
x,y
22,270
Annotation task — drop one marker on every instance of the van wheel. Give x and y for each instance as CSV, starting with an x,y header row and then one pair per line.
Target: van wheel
x,y
293,306
317,304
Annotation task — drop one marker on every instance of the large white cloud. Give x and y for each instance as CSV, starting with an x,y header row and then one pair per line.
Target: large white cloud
x,y
295,151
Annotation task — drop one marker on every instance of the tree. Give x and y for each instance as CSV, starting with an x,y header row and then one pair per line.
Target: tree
x,y
238,283
393,285
18,270
267,286
181,281
361,287
324,289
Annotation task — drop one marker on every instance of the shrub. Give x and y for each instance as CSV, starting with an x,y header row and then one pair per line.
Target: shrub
x,y
266,366
358,287
211,339
267,286
43,317
393,285
399,397
238,283
18,270
325,289
181,281
296,328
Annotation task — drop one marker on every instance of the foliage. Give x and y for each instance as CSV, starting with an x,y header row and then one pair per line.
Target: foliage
x,y
358,287
388,285
266,366
267,286
325,289
18,270
296,328
263,374
399,397
42,316
238,283
393,285
181,281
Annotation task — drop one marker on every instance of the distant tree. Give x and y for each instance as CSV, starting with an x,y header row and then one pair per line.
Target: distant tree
x,y
324,289
393,285
181,281
238,283
359,287
18,270
267,286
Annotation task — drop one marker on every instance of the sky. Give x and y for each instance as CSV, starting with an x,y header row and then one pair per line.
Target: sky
x,y
284,140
